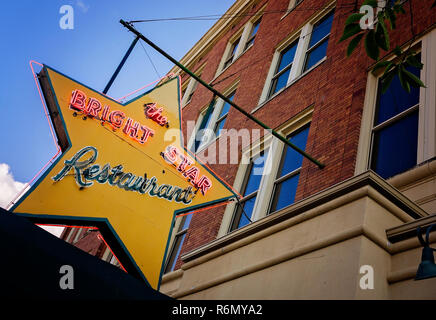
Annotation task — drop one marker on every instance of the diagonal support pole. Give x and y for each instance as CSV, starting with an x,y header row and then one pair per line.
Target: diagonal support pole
x,y
109,84
217,93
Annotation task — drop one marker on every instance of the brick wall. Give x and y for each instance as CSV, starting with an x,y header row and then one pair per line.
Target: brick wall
x,y
336,89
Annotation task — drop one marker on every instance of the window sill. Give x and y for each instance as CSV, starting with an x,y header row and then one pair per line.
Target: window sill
x,y
288,85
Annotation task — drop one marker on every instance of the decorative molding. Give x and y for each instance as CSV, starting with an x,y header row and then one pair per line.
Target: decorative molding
x,y
366,184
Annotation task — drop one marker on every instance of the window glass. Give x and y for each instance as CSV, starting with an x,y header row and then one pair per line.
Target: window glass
x,y
285,193
285,186
204,125
177,248
255,174
255,28
280,80
287,56
292,159
232,52
235,47
318,41
395,147
226,106
252,36
321,29
178,242
187,221
249,191
248,207
223,115
396,100
316,55
395,142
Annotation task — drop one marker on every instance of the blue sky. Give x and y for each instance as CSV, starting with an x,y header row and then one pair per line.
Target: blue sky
x,y
89,53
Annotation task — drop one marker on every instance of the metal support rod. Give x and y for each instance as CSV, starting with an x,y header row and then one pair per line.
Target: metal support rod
x,y
106,89
217,93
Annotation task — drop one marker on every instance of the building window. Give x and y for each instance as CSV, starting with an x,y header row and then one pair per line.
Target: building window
x,y
283,70
178,243
318,41
232,53
241,41
410,117
223,115
285,185
250,40
268,175
189,90
395,129
244,210
211,121
203,123
305,49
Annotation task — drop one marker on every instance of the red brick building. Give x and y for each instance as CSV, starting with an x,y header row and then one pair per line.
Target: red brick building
x,y
281,61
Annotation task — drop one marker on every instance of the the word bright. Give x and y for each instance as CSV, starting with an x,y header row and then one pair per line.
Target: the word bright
x,y
93,108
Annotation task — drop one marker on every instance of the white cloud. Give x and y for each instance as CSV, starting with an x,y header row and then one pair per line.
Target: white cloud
x,y
9,189
82,6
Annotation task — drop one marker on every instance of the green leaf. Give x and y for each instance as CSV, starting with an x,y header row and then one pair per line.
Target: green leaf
x,y
413,61
398,8
353,43
372,3
349,31
391,17
397,51
355,17
381,64
371,46
382,35
413,80
389,67
387,79
404,83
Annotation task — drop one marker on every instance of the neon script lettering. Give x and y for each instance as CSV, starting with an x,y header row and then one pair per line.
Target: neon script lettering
x,y
155,114
116,118
181,161
86,173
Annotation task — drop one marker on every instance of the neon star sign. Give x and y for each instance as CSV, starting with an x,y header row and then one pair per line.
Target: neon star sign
x,y
117,171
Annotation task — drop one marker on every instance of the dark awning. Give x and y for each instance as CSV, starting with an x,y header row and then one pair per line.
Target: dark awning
x,y
31,259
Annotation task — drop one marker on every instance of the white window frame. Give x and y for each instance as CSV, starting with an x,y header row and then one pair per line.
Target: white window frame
x,y
243,35
250,27
291,6
427,108
176,233
275,149
303,36
209,130
190,88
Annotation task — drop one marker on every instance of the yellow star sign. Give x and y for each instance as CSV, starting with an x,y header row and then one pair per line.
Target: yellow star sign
x,y
123,169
